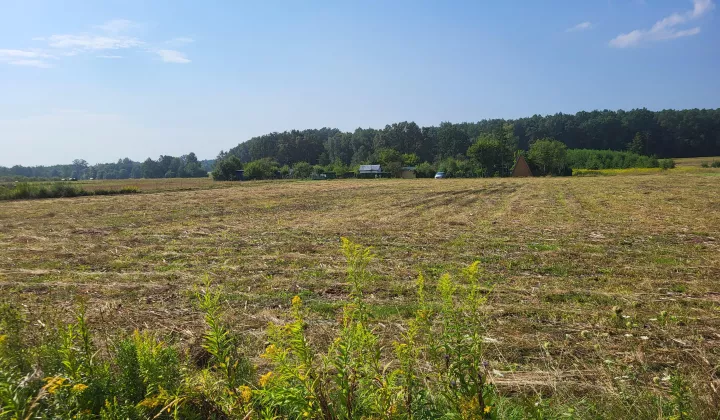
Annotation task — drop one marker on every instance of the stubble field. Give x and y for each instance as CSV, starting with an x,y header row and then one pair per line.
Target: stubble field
x,y
598,284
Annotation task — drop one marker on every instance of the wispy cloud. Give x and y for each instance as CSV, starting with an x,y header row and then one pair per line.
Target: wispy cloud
x,y
30,63
172,56
666,28
23,54
105,42
27,58
116,26
580,27
92,42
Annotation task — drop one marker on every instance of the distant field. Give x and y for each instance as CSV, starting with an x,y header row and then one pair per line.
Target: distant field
x,y
696,161
684,169
145,185
564,254
152,185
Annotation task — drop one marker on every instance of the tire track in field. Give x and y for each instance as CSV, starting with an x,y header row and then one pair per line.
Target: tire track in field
x,y
509,203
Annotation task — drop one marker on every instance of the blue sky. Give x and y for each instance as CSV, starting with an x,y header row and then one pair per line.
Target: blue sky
x,y
113,79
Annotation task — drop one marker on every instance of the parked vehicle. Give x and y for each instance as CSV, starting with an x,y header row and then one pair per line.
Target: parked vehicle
x,y
440,175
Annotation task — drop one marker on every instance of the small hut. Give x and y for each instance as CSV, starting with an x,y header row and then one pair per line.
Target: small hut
x,y
521,168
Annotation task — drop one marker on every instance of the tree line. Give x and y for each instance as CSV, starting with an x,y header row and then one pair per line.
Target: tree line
x,y
490,155
664,134
553,145
186,166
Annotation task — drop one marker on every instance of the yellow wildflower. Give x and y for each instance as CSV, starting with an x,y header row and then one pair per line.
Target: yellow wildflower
x,y
487,409
3,338
53,383
468,407
245,394
151,402
264,379
270,351
79,387
296,301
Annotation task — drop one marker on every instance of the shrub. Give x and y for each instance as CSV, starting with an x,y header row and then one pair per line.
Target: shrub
x,y
458,168
608,159
425,170
302,170
225,169
338,167
715,164
261,169
666,163
129,190
285,171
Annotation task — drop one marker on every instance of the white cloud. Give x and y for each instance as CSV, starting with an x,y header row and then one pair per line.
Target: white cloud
x,y
172,56
23,54
92,42
580,27
666,28
115,26
25,58
68,45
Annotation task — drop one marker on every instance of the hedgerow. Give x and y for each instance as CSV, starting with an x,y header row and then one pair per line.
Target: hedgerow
x,y
27,191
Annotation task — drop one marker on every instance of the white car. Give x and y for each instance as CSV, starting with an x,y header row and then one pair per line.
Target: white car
x,y
440,175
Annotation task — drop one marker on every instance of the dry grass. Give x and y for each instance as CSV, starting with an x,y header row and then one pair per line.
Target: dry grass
x,y
685,168
695,161
561,253
151,185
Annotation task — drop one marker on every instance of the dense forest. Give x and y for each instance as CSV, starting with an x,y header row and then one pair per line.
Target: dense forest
x,y
668,133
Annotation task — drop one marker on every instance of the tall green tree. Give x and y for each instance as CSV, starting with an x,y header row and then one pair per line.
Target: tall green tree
x,y
225,168
487,154
638,144
549,155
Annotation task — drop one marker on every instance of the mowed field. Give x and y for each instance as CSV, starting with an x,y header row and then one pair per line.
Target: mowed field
x,y
595,283
695,161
